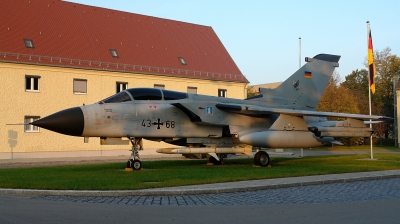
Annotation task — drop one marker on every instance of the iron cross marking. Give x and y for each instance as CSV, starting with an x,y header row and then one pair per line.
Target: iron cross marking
x,y
158,123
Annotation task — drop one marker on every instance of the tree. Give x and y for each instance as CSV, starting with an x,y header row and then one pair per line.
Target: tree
x,y
251,92
337,98
357,84
387,67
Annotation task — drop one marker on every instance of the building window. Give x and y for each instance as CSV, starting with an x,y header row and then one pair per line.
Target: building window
x,y
221,92
80,86
182,60
192,90
28,43
121,86
32,83
114,53
29,127
159,86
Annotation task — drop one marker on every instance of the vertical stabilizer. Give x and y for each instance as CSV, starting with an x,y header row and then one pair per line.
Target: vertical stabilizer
x,y
303,90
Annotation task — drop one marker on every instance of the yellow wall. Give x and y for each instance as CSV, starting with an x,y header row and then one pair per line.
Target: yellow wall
x,y
56,93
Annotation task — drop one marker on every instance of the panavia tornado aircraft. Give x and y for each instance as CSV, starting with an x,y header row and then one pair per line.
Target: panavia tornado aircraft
x,y
283,117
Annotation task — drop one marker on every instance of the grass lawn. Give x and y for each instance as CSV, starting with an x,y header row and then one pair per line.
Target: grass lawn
x,y
185,172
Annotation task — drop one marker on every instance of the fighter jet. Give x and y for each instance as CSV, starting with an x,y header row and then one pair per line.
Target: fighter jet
x,y
283,117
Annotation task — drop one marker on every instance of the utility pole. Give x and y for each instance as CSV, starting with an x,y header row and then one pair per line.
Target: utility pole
x,y
299,52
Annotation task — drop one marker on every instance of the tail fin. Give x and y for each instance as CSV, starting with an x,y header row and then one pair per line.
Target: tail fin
x,y
304,88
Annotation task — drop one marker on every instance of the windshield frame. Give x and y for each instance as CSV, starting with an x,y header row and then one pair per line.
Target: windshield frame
x,y
120,97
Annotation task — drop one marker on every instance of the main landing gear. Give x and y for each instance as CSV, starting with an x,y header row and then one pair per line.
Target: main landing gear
x,y
214,161
134,160
261,158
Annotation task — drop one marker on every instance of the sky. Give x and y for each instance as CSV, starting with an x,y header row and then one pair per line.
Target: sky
x,y
262,36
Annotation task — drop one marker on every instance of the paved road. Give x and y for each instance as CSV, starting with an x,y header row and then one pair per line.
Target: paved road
x,y
26,210
373,201
326,193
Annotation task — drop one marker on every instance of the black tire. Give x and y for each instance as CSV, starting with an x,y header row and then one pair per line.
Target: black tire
x,y
214,161
137,165
261,158
257,159
129,163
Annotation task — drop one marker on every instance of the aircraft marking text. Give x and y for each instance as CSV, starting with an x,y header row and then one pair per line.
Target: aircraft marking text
x,y
148,123
209,110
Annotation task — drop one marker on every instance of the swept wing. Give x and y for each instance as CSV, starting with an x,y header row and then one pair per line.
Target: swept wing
x,y
252,110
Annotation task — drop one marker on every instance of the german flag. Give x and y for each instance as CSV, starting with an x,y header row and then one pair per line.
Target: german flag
x,y
371,63
307,75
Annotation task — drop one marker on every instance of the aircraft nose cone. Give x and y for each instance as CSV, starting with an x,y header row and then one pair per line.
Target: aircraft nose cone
x,y
67,122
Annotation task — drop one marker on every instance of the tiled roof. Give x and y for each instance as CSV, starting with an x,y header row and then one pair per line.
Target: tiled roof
x,y
75,35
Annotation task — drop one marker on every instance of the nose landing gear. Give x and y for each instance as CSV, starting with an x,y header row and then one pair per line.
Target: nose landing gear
x,y
134,159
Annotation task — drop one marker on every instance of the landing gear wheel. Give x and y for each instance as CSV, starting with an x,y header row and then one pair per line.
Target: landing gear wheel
x,y
215,161
261,158
134,160
137,165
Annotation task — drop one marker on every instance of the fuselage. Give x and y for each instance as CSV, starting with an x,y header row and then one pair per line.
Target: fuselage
x,y
172,116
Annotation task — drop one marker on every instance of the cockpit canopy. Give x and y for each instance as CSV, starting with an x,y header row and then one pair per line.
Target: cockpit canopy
x,y
144,94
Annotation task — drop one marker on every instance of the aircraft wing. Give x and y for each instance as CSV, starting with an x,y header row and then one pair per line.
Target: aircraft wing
x,y
252,110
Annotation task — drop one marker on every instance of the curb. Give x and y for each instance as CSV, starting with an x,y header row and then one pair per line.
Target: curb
x,y
240,186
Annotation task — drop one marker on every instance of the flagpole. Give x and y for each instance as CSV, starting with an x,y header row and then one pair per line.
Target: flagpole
x,y
369,91
395,79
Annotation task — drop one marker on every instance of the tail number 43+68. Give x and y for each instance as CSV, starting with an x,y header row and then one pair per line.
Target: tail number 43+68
x,y
148,123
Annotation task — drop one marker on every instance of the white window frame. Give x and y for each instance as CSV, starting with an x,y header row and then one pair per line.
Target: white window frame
x,y
28,128
121,86
78,85
222,93
31,80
